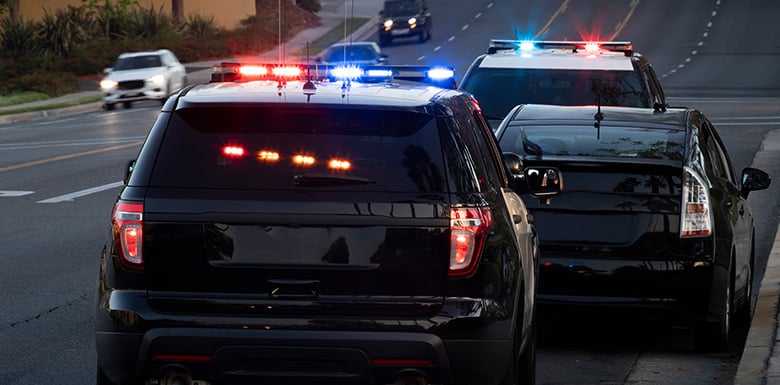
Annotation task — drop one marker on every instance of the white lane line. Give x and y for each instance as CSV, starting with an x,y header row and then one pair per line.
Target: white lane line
x,y
421,58
8,194
451,38
465,27
437,49
79,194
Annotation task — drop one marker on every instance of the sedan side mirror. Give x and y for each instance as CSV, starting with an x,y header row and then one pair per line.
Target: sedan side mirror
x,y
129,170
544,182
754,179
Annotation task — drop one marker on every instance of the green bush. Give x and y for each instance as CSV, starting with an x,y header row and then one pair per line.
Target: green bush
x,y
150,24
202,27
49,83
18,37
60,32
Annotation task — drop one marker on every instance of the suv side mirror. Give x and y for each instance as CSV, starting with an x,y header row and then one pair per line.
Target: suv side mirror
x,y
129,170
754,179
544,182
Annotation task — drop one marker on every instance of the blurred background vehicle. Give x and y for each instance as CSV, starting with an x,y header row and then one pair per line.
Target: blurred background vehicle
x,y
359,53
148,75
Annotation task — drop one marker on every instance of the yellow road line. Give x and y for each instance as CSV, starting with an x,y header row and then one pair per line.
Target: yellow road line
x,y
546,27
69,156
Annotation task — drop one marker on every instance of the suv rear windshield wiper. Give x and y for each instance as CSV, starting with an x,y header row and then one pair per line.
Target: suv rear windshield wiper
x,y
316,180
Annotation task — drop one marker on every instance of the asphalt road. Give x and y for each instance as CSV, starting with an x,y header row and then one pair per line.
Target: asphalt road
x,y
59,177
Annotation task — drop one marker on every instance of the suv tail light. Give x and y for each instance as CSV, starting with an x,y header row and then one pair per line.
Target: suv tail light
x,y
696,218
127,224
468,228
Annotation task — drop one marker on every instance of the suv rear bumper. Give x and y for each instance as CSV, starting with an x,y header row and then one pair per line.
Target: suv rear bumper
x,y
146,344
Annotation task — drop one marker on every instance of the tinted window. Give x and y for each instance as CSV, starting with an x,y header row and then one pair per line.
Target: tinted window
x,y
500,89
401,7
136,62
301,148
608,141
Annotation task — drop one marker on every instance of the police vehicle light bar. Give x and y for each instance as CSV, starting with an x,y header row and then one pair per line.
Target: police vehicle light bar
x,y
497,45
242,72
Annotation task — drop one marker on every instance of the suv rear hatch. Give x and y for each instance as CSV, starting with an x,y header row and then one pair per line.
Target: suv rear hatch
x,y
308,208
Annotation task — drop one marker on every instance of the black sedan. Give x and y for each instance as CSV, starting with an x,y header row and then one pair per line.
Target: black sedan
x,y
652,215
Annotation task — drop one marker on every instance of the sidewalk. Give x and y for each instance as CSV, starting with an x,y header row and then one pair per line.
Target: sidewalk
x,y
332,15
760,362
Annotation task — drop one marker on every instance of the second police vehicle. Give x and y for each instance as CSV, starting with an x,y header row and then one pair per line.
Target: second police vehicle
x,y
514,72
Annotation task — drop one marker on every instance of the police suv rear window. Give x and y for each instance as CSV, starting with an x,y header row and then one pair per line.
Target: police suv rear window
x,y
293,148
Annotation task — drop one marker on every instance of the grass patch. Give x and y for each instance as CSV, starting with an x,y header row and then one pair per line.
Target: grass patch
x,y
333,36
87,100
21,97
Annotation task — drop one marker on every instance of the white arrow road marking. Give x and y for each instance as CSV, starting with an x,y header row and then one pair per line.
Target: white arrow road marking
x,y
6,194
78,194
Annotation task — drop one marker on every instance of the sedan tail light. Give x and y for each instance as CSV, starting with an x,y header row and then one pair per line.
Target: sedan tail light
x,y
468,229
127,225
696,218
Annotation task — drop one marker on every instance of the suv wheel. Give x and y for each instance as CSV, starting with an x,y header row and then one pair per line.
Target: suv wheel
x,y
127,104
522,369
110,106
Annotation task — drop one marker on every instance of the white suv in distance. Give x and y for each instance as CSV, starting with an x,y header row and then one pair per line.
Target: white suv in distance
x,y
514,72
150,75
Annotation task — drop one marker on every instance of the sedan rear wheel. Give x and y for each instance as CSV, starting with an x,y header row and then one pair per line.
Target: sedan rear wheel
x,y
713,336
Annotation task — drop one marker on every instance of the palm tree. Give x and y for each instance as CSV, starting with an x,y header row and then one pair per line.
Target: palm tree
x,y
177,9
12,6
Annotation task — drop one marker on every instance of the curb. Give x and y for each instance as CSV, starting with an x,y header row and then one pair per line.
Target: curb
x,y
757,363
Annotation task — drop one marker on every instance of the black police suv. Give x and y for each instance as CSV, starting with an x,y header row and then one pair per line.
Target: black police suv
x,y
291,232
404,19
652,215
570,73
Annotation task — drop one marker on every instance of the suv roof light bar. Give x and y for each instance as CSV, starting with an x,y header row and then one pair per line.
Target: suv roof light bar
x,y
497,45
237,72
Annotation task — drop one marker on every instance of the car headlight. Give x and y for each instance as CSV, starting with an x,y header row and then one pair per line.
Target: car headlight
x,y
108,84
388,23
159,79
413,21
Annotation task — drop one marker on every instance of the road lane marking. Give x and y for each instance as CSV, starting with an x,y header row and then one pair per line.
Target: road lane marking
x,y
555,15
79,194
622,24
8,194
68,156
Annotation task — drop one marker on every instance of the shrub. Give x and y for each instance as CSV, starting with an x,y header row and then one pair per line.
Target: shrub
x,y
150,24
60,32
18,37
202,27
49,83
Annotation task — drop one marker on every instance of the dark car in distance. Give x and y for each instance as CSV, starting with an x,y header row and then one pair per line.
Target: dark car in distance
x,y
401,19
359,53
303,232
652,215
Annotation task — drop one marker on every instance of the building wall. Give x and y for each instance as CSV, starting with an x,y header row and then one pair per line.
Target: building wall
x,y
227,13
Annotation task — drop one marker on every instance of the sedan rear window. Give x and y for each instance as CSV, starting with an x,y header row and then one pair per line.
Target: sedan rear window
x,y
275,148
588,141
